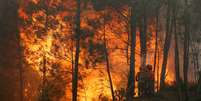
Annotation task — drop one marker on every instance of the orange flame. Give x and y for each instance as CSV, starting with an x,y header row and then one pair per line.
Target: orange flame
x,y
95,81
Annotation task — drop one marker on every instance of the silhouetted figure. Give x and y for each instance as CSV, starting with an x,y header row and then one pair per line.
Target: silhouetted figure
x,y
141,76
145,78
150,80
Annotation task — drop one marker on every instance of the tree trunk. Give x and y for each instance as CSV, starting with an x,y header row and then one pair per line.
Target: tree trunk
x,y
194,65
75,71
186,49
108,69
143,41
197,63
199,77
72,60
131,79
176,51
108,64
185,68
158,73
156,49
156,41
166,47
128,45
44,71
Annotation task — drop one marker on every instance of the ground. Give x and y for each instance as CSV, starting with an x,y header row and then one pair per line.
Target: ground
x,y
167,96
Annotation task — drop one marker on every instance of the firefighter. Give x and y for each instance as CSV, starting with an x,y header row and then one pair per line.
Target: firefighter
x,y
146,81
150,80
140,78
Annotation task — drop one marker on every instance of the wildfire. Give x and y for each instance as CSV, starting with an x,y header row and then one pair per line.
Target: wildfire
x,y
22,14
94,80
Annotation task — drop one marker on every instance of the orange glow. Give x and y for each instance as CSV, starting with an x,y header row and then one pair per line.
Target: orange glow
x,y
22,14
94,79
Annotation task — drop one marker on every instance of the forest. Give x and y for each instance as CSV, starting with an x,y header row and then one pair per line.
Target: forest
x,y
100,50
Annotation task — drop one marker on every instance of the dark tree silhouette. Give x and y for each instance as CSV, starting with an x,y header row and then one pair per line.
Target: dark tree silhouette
x,y
75,69
186,48
167,44
176,52
131,79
